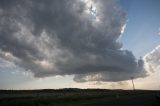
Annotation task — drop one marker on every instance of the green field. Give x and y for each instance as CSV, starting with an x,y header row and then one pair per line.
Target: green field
x,y
68,97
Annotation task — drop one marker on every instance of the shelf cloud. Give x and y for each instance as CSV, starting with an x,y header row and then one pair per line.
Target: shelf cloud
x,y
67,37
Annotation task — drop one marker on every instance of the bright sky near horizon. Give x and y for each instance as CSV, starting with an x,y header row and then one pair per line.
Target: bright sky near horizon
x,y
79,44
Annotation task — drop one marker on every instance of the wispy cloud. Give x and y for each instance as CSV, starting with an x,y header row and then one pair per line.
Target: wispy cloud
x,y
159,31
152,60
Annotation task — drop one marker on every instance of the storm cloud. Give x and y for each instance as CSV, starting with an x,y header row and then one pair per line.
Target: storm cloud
x,y
67,37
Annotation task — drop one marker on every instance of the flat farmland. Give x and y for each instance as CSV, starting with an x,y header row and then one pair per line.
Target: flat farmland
x,y
78,97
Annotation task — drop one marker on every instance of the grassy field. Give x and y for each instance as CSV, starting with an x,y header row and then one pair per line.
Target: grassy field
x,y
66,97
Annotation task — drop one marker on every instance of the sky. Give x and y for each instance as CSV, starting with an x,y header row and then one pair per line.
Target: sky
x,y
56,44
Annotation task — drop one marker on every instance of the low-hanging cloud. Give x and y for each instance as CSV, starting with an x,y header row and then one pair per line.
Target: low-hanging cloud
x,y
67,37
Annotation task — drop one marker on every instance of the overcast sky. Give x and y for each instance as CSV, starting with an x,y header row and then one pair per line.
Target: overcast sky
x,y
79,43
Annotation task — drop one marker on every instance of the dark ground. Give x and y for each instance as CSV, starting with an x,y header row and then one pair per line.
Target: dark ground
x,y
140,100
78,97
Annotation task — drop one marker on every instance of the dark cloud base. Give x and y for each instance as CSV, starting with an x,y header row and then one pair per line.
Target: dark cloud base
x,y
67,37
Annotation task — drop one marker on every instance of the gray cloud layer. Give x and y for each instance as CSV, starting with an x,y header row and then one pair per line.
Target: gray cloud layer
x,y
67,37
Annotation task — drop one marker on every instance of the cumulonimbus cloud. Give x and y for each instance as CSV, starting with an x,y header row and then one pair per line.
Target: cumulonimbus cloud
x,y
67,37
